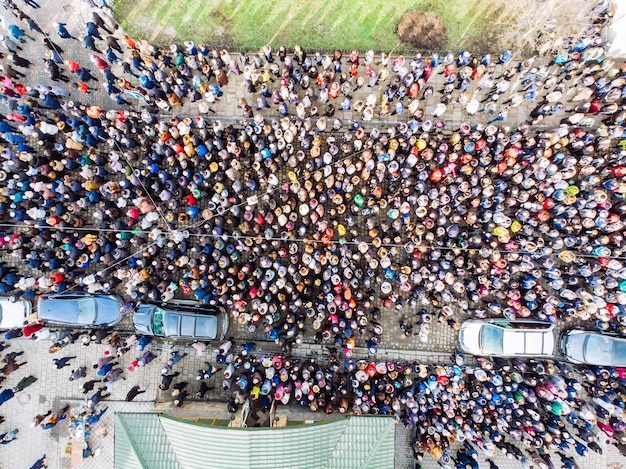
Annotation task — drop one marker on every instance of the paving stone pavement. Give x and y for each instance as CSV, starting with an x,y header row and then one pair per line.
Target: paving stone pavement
x,y
53,390
75,13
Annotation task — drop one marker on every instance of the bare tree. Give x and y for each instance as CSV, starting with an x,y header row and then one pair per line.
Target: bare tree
x,y
540,26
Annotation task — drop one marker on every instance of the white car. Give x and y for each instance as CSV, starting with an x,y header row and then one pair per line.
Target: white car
x,y
502,338
594,348
13,313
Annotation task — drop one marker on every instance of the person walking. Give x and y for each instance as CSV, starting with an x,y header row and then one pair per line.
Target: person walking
x,y
78,373
21,62
113,375
106,368
9,44
166,381
103,361
11,367
89,385
99,21
97,397
24,383
30,329
5,395
92,30
146,358
8,437
90,43
132,393
41,463
62,362
92,419
54,419
62,31
11,356
175,357
39,418
179,397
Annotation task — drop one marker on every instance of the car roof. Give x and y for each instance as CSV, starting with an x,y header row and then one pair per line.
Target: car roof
x,y
527,342
185,319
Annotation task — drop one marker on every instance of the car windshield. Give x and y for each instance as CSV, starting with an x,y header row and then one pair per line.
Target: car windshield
x,y
602,350
157,322
86,311
491,339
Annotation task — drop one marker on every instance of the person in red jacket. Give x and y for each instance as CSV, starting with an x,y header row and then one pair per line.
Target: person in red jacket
x,y
30,329
57,277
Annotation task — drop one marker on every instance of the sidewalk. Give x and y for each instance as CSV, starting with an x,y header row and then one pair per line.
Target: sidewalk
x,y
53,390
77,12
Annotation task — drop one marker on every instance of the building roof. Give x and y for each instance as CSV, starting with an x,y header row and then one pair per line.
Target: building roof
x,y
141,442
162,442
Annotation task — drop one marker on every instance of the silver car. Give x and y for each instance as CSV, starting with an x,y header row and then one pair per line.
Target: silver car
x,y
593,348
80,309
181,320
13,313
502,338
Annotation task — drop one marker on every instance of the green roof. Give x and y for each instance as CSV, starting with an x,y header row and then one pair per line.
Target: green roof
x,y
347,443
141,442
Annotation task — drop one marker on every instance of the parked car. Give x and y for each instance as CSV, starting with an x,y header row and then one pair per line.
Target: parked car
x,y
181,320
80,309
593,348
502,338
13,313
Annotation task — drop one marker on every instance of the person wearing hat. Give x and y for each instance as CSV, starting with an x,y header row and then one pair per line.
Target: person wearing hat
x,y
179,397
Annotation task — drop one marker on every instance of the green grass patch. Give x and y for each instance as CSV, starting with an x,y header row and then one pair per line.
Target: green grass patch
x,y
326,24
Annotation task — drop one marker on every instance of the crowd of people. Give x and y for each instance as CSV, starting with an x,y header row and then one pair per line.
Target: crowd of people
x,y
308,227
531,411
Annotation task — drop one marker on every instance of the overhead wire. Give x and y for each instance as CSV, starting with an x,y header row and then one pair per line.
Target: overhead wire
x,y
340,242
269,190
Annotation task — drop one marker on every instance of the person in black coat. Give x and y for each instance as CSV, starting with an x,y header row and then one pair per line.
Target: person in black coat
x,y
166,381
90,43
99,21
133,393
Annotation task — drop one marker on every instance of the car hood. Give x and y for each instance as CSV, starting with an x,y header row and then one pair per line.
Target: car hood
x,y
573,347
108,311
142,318
469,338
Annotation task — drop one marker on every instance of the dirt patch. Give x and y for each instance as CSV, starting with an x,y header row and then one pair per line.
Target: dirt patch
x,y
169,32
221,33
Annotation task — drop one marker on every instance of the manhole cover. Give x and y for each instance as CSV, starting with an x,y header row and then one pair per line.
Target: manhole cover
x,y
68,8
